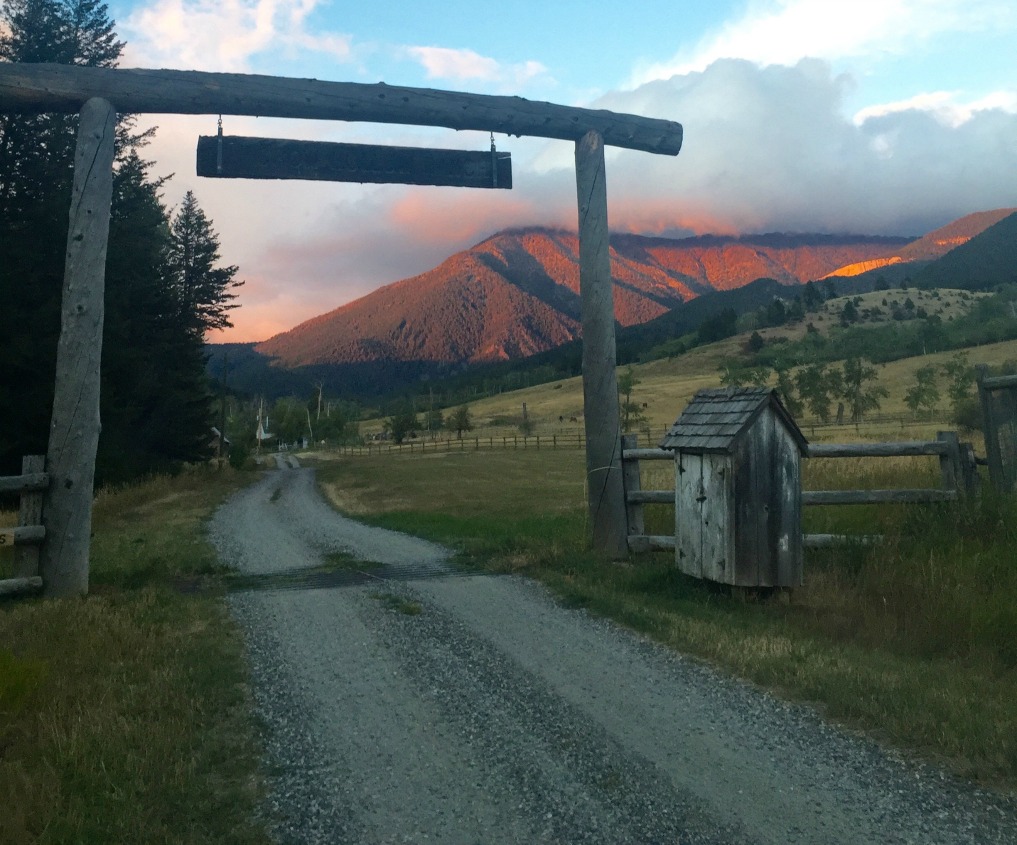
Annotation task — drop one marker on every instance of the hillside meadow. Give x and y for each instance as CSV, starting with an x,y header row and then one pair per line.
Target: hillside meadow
x,y
666,385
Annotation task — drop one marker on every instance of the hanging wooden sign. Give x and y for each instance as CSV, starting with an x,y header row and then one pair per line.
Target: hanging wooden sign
x,y
236,157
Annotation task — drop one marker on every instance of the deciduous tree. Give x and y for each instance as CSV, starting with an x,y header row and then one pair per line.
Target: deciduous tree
x,y
859,390
460,420
924,393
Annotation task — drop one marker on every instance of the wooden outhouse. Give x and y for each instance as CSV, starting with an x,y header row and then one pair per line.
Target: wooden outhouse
x,y
738,488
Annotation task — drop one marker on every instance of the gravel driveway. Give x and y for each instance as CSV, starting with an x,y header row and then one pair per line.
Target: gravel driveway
x,y
405,703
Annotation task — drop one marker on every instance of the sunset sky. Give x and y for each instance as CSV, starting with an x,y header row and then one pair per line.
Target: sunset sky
x,y
863,116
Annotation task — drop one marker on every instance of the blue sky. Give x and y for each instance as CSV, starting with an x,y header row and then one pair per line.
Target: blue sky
x,y
888,117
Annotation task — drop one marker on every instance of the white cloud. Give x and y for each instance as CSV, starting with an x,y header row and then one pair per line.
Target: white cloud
x,y
768,149
224,36
467,65
945,106
784,31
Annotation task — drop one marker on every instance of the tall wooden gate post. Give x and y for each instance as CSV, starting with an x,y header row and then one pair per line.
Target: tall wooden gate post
x,y
74,427
605,491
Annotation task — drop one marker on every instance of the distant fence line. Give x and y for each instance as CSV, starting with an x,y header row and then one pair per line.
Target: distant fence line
x,y
466,444
577,440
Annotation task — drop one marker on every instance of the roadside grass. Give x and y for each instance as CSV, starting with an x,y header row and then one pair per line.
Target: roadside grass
x,y
913,640
398,604
124,717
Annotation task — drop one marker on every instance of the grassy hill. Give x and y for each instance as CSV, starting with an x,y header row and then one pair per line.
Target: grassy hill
x,y
667,384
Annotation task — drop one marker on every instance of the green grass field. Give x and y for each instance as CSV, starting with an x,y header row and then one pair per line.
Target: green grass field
x,y
124,717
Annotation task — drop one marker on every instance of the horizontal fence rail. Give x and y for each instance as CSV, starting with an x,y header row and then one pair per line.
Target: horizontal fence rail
x,y
957,467
466,444
877,497
902,449
33,482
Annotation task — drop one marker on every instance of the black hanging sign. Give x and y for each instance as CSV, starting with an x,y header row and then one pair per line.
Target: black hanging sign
x,y
236,157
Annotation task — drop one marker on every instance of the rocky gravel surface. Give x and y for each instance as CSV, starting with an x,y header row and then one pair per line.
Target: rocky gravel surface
x,y
407,703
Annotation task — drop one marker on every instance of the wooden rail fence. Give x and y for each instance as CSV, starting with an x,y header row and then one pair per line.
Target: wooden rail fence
x,y
468,444
957,465
29,533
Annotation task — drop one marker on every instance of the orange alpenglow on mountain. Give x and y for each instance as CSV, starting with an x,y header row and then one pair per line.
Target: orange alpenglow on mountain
x,y
517,293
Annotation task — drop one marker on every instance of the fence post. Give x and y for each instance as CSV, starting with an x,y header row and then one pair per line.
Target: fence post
x,y
74,424
950,462
26,558
969,469
989,426
632,483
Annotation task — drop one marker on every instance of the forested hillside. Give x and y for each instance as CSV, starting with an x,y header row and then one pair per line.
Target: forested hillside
x,y
164,283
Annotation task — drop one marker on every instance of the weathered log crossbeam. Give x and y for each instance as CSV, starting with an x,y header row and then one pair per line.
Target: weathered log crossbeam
x,y
38,88
237,157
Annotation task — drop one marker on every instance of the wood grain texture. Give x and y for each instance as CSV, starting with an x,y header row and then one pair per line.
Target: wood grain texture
x,y
26,558
74,427
901,449
605,490
20,586
876,497
632,481
237,157
37,88
27,481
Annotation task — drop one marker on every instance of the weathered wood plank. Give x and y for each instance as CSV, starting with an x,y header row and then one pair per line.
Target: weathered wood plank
x,y
950,461
904,448
24,483
26,557
990,427
788,526
876,497
22,535
688,511
20,586
74,426
818,541
605,490
648,455
633,484
650,497
36,88
997,382
236,157
639,543
717,519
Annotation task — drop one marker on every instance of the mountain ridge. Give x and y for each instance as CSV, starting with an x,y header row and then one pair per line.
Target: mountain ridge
x,y
516,293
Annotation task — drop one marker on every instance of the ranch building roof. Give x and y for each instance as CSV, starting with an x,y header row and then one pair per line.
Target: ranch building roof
x,y
717,417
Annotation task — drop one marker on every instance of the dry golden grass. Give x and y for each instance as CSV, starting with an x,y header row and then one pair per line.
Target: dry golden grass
x,y
667,385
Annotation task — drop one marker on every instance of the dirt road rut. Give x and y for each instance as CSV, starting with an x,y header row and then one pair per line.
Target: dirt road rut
x,y
406,703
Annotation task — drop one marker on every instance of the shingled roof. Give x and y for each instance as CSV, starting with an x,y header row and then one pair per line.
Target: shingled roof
x,y
716,417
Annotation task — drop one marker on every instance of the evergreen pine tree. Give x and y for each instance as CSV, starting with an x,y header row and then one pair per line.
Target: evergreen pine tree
x,y
155,401
202,290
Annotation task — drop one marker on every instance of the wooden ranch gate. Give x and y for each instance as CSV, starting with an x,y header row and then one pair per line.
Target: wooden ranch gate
x,y
97,94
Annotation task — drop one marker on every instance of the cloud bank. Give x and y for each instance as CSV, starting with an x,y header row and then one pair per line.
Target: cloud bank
x,y
766,149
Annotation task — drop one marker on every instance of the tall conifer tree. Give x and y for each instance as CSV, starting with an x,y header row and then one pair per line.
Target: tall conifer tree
x,y
155,404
